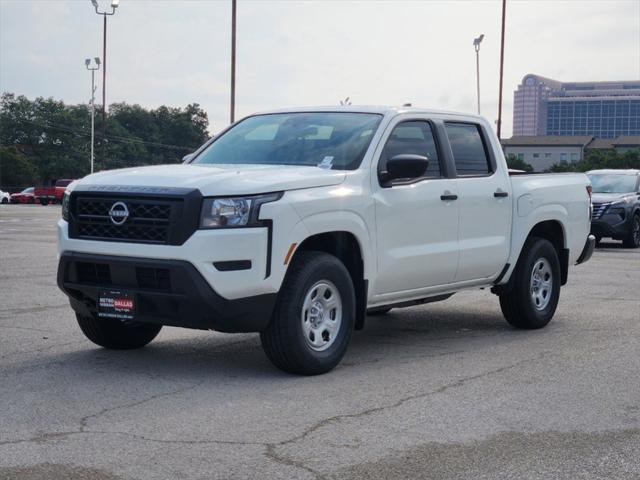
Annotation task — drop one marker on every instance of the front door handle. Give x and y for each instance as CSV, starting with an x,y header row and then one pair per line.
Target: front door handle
x,y
448,197
500,194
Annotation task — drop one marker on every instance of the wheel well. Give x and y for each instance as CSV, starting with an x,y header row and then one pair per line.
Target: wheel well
x,y
552,230
346,248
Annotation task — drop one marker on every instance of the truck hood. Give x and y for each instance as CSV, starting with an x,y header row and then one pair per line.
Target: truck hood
x,y
214,180
609,197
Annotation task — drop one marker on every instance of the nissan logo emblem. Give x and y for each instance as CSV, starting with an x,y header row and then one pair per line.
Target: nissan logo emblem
x,y
118,213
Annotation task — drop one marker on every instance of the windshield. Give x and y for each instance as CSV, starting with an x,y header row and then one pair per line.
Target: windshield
x,y
28,190
328,140
613,183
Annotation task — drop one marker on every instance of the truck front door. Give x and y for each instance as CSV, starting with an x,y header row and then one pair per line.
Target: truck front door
x,y
417,218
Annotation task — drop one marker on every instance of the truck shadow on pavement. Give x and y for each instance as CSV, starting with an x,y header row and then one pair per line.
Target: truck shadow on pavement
x,y
389,340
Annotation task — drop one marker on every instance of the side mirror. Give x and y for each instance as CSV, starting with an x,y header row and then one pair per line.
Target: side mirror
x,y
405,165
187,158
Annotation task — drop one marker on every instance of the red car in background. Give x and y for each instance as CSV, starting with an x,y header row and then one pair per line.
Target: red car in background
x,y
47,195
25,196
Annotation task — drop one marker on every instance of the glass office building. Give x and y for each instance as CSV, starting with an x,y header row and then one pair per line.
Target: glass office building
x,y
601,109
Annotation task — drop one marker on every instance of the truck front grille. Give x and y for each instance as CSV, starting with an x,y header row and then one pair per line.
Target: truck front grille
x,y
148,221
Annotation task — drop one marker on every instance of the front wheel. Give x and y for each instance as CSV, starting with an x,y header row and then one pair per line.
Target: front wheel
x,y
533,298
633,237
314,316
117,335
44,202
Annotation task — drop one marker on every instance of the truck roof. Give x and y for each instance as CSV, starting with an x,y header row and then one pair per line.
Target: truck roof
x,y
379,109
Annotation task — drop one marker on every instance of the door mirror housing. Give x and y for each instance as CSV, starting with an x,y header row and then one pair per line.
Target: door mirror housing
x,y
404,166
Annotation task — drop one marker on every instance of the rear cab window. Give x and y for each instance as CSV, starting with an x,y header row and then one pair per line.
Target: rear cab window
x,y
469,149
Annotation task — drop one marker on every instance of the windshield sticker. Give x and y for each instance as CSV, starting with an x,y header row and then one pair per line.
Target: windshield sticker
x,y
327,163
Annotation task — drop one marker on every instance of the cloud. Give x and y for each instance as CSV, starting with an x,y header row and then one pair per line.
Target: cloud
x,y
313,52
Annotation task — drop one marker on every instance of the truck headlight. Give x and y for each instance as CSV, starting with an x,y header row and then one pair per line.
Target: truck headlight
x,y
65,206
234,211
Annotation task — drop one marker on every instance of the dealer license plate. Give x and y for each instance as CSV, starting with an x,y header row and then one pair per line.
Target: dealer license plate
x,y
116,304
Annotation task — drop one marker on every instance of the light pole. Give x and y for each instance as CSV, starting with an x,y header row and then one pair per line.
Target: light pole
x,y
476,45
114,5
87,64
504,13
233,61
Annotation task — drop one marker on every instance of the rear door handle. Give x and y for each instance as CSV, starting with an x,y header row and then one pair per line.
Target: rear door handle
x,y
500,194
448,197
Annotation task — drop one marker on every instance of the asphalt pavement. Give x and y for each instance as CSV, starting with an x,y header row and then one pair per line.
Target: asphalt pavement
x,y
443,391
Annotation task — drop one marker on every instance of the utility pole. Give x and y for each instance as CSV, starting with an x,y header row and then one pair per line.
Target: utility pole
x,y
114,5
476,45
233,61
504,9
87,63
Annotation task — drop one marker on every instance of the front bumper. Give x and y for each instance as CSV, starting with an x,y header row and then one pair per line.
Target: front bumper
x,y
167,292
588,249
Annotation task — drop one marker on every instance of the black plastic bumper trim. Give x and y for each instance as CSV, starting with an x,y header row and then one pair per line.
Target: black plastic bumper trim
x,y
190,302
232,265
588,249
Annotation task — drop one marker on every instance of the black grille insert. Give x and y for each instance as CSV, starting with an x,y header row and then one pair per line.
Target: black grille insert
x,y
148,220
93,273
153,278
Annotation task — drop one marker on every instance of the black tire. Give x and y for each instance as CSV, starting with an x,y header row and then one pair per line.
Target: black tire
x,y
284,340
116,335
376,312
5,201
633,237
44,202
518,305
31,200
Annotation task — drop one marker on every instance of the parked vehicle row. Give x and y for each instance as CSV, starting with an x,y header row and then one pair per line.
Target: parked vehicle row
x,y
41,195
616,205
297,223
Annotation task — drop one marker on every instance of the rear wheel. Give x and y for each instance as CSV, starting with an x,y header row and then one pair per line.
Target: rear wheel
x,y
5,201
117,335
44,202
31,200
532,301
633,237
314,316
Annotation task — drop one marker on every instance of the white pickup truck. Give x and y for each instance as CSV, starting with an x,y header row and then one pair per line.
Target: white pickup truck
x,y
298,223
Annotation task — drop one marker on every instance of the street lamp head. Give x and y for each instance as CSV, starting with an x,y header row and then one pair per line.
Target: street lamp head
x,y
115,3
477,41
87,61
97,59
94,3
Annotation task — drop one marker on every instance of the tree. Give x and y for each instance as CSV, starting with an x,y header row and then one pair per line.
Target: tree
x,y
55,138
16,169
597,159
516,163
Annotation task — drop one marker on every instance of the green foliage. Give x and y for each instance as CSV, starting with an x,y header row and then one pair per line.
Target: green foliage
x,y
15,167
47,139
597,159
515,163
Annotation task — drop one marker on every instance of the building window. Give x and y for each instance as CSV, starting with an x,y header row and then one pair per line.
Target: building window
x,y
574,157
547,155
563,157
520,156
536,155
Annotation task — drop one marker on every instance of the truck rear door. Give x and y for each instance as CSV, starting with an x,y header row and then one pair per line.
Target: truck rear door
x,y
484,201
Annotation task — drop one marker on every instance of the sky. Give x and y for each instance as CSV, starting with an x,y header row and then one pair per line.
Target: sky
x,y
297,53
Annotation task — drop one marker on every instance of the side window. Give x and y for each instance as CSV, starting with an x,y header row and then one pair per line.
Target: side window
x,y
413,137
469,153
